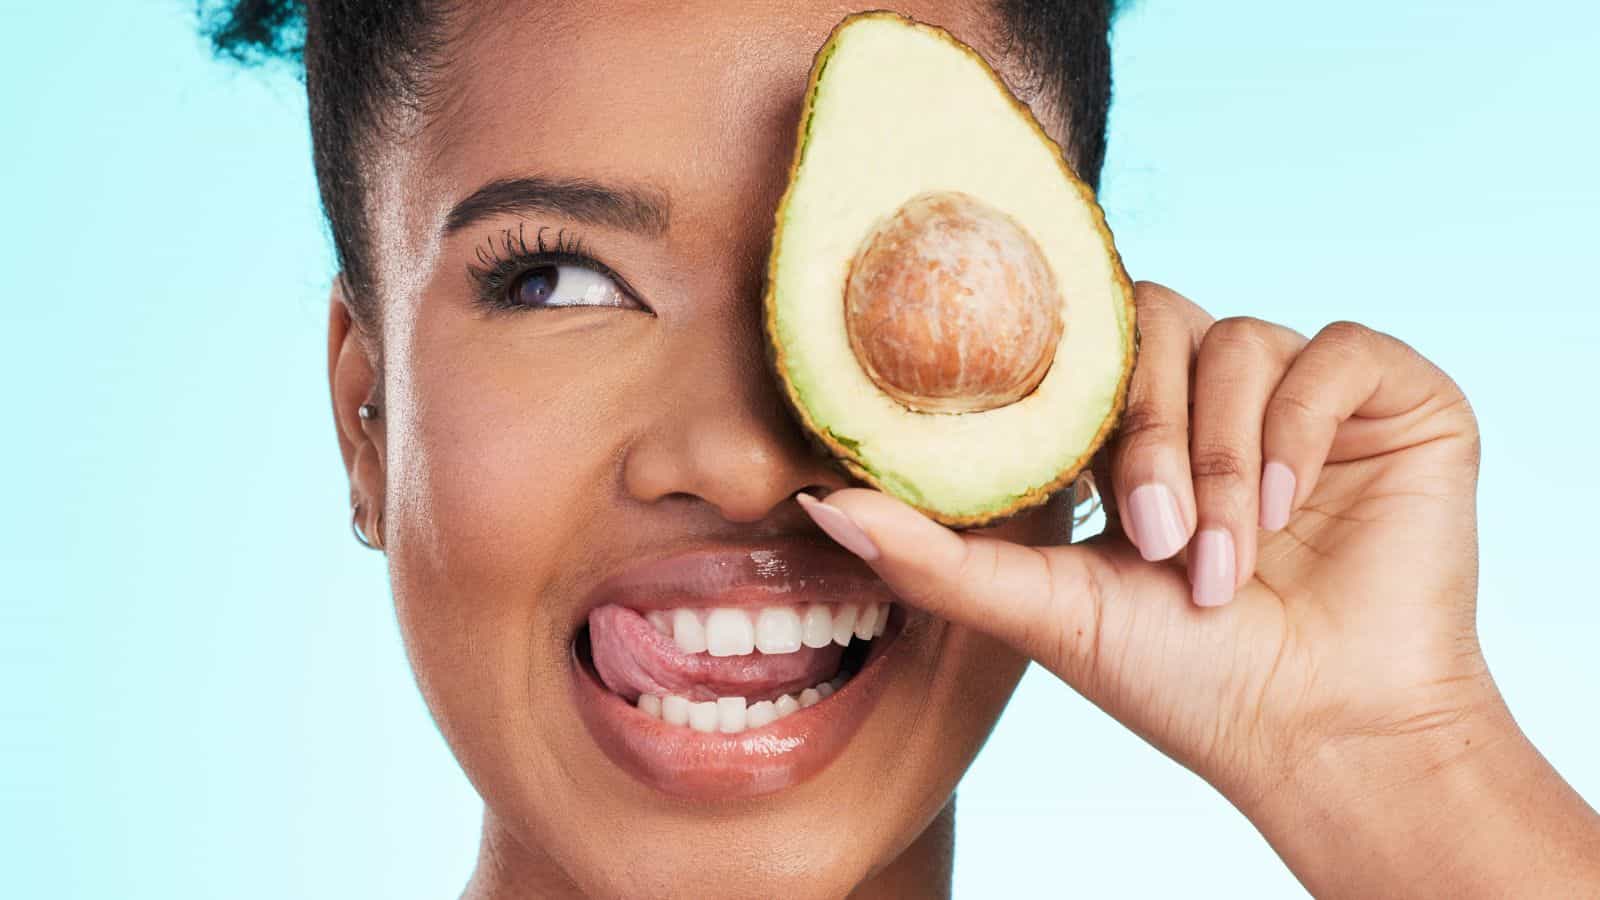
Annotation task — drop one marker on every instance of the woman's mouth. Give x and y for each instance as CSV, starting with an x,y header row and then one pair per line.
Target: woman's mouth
x,y
733,673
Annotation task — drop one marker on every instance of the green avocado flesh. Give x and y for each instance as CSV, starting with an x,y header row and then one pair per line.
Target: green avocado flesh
x,y
898,110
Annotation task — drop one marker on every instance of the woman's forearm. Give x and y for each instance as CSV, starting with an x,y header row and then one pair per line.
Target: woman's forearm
x,y
1468,809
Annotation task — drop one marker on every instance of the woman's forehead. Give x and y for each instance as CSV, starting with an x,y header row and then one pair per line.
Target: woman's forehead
x,y
696,99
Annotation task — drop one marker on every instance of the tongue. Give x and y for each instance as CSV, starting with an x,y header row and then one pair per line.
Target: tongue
x,y
633,658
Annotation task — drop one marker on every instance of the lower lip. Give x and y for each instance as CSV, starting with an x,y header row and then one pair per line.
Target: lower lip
x,y
687,763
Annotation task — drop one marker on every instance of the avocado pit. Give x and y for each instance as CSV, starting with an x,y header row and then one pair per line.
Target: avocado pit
x,y
950,306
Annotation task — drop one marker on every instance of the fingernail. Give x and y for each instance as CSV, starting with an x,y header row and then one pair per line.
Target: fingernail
x,y
1211,567
1277,495
1157,525
839,526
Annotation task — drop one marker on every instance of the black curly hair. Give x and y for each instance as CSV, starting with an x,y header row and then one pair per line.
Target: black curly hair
x,y
366,65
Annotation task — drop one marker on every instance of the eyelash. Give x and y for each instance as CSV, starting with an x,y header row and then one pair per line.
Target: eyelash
x,y
505,258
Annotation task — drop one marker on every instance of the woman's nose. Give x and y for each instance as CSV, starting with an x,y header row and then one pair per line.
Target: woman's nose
x,y
723,435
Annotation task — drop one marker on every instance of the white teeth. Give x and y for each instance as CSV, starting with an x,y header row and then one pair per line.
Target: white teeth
x,y
778,630
687,631
868,620
703,716
775,629
675,710
880,619
844,623
759,714
730,715
786,705
729,632
816,626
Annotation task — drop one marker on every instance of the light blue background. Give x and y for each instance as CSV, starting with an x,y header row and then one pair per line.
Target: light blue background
x,y
202,693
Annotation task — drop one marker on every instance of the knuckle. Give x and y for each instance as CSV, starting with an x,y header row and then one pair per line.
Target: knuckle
x,y
1151,295
1246,336
1292,407
1455,399
1144,424
1217,462
1347,334
975,576
1241,327
1162,306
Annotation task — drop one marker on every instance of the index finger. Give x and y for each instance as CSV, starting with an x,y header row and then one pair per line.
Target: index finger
x,y
1044,601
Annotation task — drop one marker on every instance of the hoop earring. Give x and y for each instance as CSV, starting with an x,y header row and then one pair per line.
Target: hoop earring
x,y
355,528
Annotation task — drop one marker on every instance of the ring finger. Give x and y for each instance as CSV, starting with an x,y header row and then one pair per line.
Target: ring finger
x,y
1240,363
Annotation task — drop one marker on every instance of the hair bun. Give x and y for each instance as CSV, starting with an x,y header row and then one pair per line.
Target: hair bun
x,y
253,31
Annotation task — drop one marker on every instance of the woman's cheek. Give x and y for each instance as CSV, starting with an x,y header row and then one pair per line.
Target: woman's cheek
x,y
491,483
511,455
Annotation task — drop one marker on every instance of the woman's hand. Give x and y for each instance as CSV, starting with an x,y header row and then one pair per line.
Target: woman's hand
x,y
1288,605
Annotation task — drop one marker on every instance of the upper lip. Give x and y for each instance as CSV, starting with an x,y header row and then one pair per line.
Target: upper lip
x,y
769,572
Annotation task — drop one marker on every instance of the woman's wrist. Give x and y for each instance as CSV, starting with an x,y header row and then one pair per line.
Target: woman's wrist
x,y
1465,807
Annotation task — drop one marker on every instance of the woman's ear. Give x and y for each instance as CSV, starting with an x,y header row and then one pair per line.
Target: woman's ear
x,y
352,381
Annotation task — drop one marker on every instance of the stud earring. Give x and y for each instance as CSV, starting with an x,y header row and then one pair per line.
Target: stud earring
x,y
368,412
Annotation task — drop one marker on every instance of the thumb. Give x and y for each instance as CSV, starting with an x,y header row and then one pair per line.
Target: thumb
x,y
1044,601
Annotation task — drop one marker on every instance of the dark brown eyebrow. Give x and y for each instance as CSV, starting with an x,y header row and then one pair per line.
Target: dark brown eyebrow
x,y
628,209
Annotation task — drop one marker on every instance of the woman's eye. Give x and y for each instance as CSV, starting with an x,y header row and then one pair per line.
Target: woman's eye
x,y
565,285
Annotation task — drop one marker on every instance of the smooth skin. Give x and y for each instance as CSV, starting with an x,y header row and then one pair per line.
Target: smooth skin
x,y
1332,685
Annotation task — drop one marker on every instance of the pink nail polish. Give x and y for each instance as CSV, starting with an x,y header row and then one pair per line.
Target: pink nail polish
x,y
1211,567
1277,495
1154,521
839,526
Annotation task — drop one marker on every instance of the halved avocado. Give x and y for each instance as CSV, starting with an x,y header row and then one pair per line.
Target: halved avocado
x,y
945,308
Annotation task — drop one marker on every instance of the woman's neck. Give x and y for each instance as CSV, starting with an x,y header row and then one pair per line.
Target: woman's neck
x,y
507,869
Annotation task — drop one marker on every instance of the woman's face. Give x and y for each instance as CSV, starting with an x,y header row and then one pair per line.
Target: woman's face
x,y
617,446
